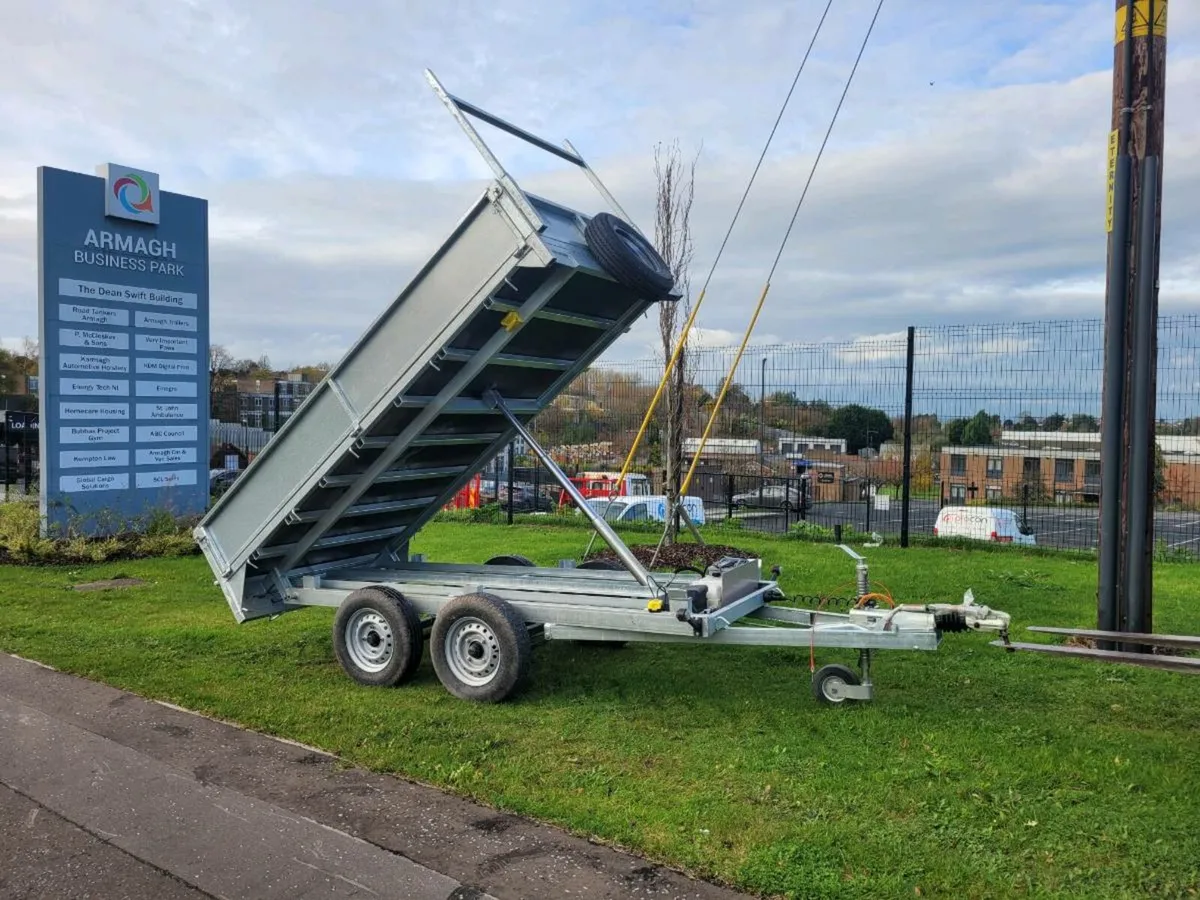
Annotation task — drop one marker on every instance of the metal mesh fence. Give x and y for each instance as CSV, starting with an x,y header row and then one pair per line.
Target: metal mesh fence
x,y
1004,440
1004,417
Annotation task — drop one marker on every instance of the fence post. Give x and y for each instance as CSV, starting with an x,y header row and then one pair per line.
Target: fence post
x,y
729,497
27,459
510,483
906,487
787,505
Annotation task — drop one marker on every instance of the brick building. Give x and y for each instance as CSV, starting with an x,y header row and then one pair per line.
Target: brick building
x,y
798,446
261,402
1061,467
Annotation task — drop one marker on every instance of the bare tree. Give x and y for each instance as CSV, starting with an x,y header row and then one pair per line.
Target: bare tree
x,y
30,347
673,239
221,379
219,359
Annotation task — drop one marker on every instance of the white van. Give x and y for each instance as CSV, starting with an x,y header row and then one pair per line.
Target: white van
x,y
645,509
983,523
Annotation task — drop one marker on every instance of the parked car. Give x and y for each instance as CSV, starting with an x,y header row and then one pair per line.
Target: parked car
x,y
983,523
525,498
219,480
772,496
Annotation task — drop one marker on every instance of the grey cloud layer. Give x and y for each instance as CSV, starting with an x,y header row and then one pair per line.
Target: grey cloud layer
x,y
332,171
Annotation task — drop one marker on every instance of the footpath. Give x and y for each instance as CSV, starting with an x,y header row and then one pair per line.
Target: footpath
x,y
104,794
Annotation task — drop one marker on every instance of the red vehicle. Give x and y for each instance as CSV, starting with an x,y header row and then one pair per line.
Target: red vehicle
x,y
467,496
603,484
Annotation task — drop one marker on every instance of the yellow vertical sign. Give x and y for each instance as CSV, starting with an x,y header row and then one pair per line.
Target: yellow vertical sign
x,y
1113,143
1141,19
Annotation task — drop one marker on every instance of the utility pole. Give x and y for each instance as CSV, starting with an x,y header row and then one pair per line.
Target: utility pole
x,y
1125,596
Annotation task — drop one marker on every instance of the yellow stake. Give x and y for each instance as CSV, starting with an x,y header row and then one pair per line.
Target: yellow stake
x,y
687,482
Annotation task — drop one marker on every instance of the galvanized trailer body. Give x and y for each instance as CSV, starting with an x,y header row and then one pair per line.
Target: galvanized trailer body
x,y
512,306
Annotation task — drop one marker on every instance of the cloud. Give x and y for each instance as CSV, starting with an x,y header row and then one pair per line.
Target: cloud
x,y
964,181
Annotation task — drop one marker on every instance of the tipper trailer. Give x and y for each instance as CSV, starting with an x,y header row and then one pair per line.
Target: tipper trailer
x,y
523,296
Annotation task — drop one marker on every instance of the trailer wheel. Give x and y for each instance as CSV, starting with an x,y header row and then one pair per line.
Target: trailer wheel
x,y
628,257
829,683
510,559
480,648
608,565
377,637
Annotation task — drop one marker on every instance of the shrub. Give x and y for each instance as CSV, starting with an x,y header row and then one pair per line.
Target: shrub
x,y
20,533
159,533
810,531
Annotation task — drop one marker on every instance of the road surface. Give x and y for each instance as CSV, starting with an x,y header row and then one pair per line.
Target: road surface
x,y
1063,527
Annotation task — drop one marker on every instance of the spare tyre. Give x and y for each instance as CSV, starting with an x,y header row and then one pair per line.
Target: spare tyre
x,y
628,257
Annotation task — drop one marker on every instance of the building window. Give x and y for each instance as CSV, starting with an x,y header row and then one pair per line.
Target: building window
x,y
1064,471
995,466
958,492
1091,469
1031,468
993,492
958,464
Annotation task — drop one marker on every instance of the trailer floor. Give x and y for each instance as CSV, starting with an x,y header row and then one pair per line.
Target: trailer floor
x,y
103,793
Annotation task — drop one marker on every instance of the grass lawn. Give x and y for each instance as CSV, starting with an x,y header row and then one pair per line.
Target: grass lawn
x,y
974,773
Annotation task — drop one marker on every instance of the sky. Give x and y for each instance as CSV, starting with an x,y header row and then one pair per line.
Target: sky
x,y
964,181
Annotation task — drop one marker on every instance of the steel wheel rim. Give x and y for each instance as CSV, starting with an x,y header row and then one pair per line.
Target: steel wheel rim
x,y
834,688
472,651
369,640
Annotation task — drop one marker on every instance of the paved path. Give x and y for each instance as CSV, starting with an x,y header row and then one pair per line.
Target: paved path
x,y
106,795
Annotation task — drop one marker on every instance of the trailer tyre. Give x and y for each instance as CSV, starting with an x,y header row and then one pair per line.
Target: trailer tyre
x,y
829,683
608,565
628,257
377,637
480,648
510,559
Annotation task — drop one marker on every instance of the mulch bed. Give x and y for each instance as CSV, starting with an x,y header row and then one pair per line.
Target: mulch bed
x,y
677,556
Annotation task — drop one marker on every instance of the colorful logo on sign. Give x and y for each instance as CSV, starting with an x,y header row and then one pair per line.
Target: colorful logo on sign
x,y
133,194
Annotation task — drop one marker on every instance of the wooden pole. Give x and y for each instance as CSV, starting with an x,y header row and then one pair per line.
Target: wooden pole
x,y
1131,319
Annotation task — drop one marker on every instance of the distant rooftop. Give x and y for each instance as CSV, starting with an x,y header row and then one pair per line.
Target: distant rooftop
x,y
1079,440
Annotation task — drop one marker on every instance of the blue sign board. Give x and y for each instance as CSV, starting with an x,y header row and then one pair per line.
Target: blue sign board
x,y
123,312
